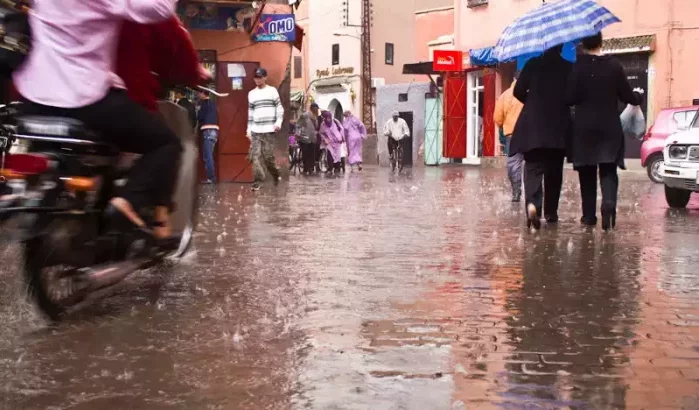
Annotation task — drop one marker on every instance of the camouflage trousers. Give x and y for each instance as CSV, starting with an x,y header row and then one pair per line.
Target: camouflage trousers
x,y
262,156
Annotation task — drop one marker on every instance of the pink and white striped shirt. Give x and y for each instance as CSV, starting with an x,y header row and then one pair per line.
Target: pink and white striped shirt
x,y
73,59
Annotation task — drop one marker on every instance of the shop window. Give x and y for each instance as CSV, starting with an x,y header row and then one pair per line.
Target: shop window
x,y
336,54
403,97
389,53
298,67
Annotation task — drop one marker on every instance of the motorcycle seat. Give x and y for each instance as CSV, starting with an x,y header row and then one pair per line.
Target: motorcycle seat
x,y
60,127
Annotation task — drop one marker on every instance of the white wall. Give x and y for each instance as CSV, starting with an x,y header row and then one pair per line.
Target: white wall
x,y
325,17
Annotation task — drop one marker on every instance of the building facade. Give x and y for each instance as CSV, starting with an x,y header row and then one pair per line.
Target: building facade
x,y
654,42
221,33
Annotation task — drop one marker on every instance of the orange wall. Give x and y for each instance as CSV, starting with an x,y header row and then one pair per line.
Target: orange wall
x,y
428,27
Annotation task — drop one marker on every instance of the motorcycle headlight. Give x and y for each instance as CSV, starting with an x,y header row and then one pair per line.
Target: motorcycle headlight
x,y
677,152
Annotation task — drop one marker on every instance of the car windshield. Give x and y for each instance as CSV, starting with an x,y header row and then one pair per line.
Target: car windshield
x,y
695,121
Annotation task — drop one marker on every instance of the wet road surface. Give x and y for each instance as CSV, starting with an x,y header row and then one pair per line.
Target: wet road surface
x,y
422,291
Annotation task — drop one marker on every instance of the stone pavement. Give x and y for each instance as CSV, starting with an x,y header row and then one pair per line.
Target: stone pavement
x,y
421,291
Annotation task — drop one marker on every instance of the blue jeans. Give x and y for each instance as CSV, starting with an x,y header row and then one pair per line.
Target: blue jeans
x,y
210,138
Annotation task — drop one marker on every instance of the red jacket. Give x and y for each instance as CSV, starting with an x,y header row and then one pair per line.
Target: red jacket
x,y
163,48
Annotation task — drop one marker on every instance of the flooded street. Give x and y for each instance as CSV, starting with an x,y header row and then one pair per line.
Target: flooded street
x,y
422,291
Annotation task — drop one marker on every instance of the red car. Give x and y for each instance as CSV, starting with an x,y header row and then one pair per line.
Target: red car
x,y
668,122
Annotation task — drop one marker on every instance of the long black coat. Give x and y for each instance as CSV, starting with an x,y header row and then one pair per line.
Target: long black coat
x,y
596,86
545,120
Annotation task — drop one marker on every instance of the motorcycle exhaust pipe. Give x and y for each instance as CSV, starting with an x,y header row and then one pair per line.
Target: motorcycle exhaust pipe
x,y
102,276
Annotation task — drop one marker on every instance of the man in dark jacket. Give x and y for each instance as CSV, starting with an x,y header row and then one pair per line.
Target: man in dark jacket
x,y
208,124
542,132
183,102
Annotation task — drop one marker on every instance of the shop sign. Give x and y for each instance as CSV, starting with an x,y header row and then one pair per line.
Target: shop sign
x,y
447,60
334,71
275,27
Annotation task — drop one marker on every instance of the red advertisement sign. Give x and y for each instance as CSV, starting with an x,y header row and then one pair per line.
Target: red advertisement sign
x,y
447,60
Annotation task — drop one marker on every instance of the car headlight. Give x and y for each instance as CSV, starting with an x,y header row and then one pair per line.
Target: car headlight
x,y
677,152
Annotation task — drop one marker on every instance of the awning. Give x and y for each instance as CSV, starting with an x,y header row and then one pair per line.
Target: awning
x,y
482,56
625,45
296,96
424,68
299,37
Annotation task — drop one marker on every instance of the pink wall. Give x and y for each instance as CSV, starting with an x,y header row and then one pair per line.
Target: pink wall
x,y
428,27
673,64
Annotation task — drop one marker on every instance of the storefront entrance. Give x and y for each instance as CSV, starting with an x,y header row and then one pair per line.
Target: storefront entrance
x,y
474,116
636,68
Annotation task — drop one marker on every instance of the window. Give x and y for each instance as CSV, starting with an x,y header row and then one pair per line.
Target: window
x,y
403,97
389,53
475,3
683,118
298,67
336,54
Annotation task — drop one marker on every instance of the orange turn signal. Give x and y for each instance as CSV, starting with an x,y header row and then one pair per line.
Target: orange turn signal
x,y
10,174
79,183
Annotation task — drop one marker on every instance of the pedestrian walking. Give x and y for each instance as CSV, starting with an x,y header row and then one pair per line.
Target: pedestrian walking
x,y
507,111
332,133
316,120
542,132
208,124
597,84
265,116
355,134
306,131
395,129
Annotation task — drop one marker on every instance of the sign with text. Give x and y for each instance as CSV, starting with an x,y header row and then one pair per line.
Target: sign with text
x,y
275,27
447,60
334,71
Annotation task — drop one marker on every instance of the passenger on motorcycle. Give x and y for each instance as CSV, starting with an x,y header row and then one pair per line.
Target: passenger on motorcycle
x,y
70,72
150,56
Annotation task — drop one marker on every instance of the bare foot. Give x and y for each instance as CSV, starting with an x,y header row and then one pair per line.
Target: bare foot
x,y
162,217
125,208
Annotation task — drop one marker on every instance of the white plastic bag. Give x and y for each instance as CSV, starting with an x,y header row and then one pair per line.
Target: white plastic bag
x,y
343,150
633,123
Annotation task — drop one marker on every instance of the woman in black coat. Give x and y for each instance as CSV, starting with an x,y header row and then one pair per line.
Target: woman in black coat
x,y
542,132
596,86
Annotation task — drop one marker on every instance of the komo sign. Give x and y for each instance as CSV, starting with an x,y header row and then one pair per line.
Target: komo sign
x,y
275,27
447,60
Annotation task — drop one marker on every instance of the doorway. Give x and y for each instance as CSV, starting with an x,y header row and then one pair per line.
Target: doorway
x,y
474,114
636,69
336,109
407,142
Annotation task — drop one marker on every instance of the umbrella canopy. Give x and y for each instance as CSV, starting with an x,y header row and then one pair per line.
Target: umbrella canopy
x,y
550,25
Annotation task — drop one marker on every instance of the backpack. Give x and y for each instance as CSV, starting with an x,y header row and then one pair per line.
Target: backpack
x,y
15,35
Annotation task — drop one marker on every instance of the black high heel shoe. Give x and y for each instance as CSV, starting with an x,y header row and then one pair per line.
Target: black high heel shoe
x,y
608,219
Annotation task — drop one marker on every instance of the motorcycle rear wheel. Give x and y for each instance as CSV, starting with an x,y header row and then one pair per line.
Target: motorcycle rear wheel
x,y
45,280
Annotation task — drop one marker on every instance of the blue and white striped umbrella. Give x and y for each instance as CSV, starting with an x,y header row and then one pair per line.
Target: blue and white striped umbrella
x,y
550,25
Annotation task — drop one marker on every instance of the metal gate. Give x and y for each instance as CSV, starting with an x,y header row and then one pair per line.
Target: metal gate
x,y
455,115
433,130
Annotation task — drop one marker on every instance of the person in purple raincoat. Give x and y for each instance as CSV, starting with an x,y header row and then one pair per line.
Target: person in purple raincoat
x,y
333,135
355,134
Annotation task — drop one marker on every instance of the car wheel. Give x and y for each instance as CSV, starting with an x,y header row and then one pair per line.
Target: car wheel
x,y
677,198
653,167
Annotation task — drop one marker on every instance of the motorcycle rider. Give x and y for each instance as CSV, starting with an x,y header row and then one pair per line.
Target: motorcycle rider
x,y
70,72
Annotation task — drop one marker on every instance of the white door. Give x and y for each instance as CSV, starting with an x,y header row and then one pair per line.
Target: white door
x,y
474,121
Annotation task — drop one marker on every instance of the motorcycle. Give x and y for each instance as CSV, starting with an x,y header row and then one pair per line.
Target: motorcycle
x,y
58,180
